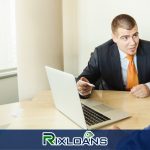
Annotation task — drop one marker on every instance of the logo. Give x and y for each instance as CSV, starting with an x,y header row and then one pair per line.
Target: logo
x,y
49,138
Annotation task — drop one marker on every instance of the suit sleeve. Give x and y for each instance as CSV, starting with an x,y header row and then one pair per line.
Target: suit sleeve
x,y
92,70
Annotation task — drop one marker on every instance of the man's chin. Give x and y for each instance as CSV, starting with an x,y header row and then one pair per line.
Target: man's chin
x,y
132,52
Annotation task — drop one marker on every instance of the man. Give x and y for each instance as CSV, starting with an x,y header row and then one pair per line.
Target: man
x,y
122,63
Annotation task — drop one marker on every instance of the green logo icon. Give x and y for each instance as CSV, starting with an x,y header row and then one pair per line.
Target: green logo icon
x,y
88,135
48,138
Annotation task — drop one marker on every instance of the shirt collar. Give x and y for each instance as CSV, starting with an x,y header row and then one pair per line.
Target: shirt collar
x,y
122,54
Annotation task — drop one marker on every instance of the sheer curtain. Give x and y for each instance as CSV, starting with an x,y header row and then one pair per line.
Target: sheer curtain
x,y
7,35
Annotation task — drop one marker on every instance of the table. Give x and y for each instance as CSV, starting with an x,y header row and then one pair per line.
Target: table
x,y
40,112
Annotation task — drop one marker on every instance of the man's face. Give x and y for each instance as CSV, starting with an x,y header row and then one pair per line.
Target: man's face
x,y
127,40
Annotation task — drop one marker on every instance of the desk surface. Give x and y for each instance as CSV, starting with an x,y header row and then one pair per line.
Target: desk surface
x,y
40,112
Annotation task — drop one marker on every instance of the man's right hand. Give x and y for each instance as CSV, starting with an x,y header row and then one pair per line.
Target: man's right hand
x,y
84,87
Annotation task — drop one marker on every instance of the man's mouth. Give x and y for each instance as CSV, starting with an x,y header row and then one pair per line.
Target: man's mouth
x,y
132,48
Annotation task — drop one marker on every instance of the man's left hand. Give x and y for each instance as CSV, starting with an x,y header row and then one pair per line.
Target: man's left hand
x,y
140,91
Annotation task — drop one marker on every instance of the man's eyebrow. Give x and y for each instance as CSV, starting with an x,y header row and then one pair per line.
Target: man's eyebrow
x,y
124,36
136,33
129,35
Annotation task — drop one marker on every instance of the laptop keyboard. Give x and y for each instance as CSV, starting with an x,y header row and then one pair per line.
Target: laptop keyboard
x,y
93,117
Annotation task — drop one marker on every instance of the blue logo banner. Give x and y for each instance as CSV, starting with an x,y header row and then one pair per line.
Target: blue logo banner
x,y
75,139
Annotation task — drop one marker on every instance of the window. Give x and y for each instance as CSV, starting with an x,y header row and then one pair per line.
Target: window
x,y
7,35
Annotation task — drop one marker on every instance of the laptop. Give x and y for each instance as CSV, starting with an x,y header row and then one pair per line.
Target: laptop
x,y
86,113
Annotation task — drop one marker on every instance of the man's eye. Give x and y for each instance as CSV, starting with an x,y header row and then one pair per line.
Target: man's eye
x,y
124,37
135,35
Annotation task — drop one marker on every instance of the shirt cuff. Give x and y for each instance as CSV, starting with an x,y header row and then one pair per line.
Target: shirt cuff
x,y
84,95
148,85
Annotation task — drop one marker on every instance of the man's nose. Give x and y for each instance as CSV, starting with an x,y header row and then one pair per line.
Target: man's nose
x,y
132,41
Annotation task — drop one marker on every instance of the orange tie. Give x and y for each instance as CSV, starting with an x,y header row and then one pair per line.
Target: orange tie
x,y
132,76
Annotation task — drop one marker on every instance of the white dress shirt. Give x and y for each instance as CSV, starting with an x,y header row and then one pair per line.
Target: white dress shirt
x,y
124,66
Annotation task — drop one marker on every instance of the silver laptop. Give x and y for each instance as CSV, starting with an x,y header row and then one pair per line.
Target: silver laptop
x,y
87,113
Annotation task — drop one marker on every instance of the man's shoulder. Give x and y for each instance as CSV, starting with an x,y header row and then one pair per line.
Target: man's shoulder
x,y
145,45
107,44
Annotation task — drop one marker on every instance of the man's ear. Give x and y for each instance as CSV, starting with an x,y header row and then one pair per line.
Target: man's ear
x,y
114,37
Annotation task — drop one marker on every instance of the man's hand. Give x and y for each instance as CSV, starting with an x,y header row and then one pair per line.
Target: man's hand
x,y
140,91
84,87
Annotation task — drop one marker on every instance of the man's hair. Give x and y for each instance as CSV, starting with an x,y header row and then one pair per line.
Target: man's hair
x,y
123,21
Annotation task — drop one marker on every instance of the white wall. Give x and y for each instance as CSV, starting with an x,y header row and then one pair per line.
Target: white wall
x,y
93,26
39,43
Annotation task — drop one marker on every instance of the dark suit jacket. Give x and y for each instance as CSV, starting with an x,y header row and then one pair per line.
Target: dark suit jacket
x,y
104,66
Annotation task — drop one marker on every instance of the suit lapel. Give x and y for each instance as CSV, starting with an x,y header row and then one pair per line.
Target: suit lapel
x,y
116,68
141,62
